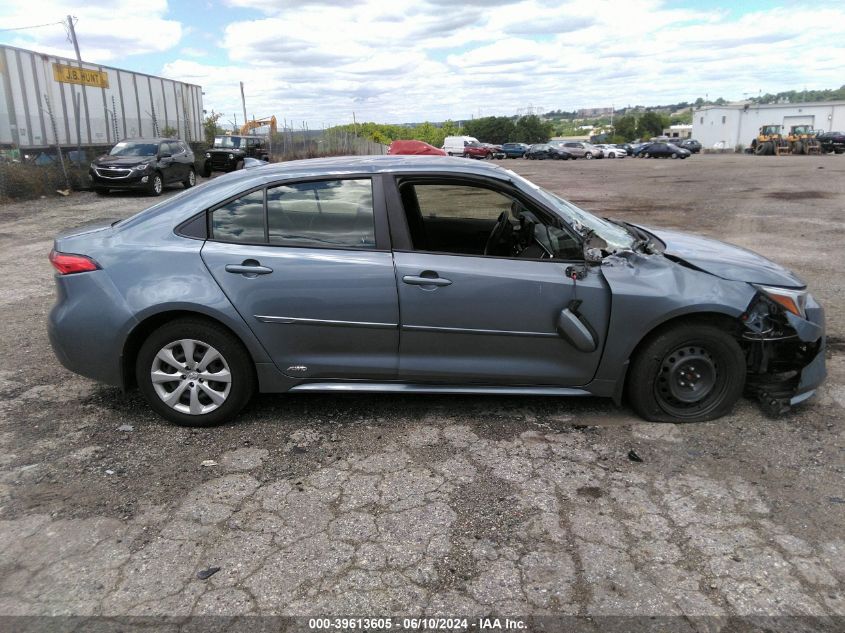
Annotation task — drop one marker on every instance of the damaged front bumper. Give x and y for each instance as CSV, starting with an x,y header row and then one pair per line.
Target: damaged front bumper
x,y
785,353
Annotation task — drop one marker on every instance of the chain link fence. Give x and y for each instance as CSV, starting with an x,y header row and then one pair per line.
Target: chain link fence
x,y
45,174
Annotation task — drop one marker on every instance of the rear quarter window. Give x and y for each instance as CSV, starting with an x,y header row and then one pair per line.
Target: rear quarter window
x,y
240,220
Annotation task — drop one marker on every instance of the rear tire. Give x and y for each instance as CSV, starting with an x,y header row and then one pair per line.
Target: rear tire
x,y
205,335
690,372
191,180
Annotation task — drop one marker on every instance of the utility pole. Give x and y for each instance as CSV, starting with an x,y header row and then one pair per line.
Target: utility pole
x,y
72,32
243,102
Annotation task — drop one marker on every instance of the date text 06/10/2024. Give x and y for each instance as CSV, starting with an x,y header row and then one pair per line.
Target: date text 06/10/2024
x,y
417,624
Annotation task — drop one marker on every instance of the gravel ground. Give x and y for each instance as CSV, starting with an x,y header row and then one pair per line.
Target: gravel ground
x,y
375,505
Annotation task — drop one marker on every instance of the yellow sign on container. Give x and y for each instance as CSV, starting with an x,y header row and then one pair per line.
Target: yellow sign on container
x,y
82,76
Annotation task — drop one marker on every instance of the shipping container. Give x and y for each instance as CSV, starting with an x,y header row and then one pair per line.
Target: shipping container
x,y
113,104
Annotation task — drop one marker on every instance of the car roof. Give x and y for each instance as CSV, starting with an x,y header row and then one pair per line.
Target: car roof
x,y
376,165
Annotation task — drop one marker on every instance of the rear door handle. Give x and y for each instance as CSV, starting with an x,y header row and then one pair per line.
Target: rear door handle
x,y
426,281
248,268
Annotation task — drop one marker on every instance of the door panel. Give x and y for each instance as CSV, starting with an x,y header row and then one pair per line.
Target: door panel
x,y
495,323
320,313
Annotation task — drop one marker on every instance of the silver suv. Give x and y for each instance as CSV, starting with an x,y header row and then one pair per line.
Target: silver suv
x,y
579,149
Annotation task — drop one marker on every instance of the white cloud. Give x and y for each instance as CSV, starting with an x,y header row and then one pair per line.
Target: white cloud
x,y
321,60
120,29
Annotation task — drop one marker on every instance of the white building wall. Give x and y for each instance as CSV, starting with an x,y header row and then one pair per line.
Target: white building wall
x,y
727,126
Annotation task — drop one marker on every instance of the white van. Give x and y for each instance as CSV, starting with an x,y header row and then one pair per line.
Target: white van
x,y
454,145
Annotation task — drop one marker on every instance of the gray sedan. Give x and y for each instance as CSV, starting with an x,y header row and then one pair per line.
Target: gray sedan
x,y
422,274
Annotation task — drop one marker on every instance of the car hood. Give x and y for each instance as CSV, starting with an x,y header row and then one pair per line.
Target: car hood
x,y
122,161
725,260
225,150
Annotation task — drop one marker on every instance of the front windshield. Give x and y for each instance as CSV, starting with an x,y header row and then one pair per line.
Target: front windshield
x,y
617,237
134,149
227,141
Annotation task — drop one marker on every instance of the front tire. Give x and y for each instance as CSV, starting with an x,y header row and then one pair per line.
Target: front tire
x,y
195,373
588,156
155,185
691,372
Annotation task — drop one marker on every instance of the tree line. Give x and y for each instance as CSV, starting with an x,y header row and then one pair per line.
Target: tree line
x,y
491,129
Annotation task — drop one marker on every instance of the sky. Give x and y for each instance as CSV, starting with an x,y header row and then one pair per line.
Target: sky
x,y
321,62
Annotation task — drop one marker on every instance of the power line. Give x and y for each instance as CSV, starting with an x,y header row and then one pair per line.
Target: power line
x,y
34,26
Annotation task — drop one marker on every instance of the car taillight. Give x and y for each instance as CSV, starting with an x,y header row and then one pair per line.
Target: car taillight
x,y
68,263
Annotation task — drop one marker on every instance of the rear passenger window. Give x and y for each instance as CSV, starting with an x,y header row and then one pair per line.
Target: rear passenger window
x,y
241,220
331,214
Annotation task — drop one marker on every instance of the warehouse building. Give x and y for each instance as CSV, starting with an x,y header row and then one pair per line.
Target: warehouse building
x,y
45,99
725,127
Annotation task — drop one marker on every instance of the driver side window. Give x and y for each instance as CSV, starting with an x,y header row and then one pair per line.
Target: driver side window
x,y
464,219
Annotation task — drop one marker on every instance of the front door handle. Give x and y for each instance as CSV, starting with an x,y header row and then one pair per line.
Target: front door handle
x,y
426,281
248,268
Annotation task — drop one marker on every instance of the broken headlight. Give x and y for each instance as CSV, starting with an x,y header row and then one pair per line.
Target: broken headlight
x,y
790,299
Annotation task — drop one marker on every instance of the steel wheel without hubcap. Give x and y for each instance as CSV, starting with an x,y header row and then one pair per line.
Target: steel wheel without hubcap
x,y
689,382
191,377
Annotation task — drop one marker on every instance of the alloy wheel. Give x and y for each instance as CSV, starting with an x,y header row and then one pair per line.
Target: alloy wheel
x,y
191,377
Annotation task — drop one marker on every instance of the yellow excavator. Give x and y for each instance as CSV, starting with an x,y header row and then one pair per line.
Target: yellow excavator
x,y
770,141
802,140
247,127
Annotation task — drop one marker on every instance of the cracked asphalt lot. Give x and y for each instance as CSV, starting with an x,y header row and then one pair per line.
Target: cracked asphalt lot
x,y
409,505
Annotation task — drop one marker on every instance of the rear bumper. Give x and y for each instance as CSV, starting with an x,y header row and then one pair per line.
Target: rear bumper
x,y
86,326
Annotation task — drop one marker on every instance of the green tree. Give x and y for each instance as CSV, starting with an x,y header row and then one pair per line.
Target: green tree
x,y
652,124
684,118
626,127
491,129
531,129
209,125
169,132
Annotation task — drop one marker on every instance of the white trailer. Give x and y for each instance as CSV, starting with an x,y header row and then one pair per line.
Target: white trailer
x,y
113,104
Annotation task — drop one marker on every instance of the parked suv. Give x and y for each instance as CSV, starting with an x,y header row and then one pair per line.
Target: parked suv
x,y
229,152
514,150
832,142
578,150
147,164
690,144
474,149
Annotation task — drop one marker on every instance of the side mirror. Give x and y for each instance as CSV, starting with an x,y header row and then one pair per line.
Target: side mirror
x,y
166,155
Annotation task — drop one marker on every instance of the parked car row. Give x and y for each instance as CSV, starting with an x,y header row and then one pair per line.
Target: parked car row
x,y
470,147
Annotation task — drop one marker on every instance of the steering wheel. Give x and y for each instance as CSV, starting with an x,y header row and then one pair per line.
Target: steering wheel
x,y
501,231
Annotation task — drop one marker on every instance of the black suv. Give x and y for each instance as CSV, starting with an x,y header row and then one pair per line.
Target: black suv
x,y
691,144
144,163
229,152
832,142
